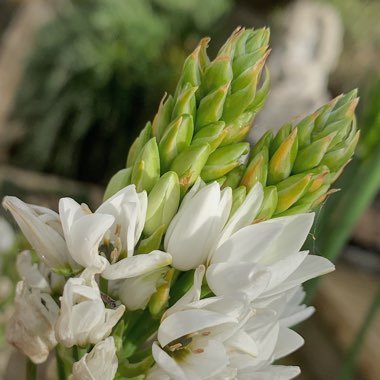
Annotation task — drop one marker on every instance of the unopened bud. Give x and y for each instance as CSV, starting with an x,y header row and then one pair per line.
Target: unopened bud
x,y
120,180
163,202
223,160
146,170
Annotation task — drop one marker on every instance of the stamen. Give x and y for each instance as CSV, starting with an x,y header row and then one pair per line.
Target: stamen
x,y
114,255
199,351
175,347
206,333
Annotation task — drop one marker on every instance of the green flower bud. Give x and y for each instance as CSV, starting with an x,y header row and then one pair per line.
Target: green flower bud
x,y
239,129
304,130
238,197
261,95
152,242
146,170
163,202
160,300
189,164
311,156
137,145
185,102
176,138
213,134
210,108
243,90
269,205
234,177
265,141
223,160
217,74
281,163
291,190
281,135
194,65
342,153
120,180
163,117
256,170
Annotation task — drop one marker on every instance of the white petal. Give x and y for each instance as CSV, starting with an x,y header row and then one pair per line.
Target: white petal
x,y
194,229
186,322
135,292
30,273
137,265
247,244
192,295
168,364
228,278
100,364
245,214
129,210
86,234
312,266
241,341
283,268
288,342
293,235
47,242
273,372
210,362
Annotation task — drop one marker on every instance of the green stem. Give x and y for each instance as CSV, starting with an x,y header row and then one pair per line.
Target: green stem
x,y
350,360
361,183
61,373
31,370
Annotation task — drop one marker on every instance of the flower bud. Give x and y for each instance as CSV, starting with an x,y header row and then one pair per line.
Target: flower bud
x,y
189,164
238,129
269,205
99,364
256,170
119,180
176,138
138,144
162,117
160,299
194,65
163,202
185,102
281,163
146,169
210,108
291,190
217,74
311,156
238,197
223,160
233,178
213,134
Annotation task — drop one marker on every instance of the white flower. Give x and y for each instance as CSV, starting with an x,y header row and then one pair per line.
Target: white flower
x,y
270,329
31,327
263,259
83,318
106,239
100,364
42,227
196,226
192,338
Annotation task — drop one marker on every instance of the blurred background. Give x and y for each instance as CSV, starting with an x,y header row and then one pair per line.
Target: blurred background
x,y
79,79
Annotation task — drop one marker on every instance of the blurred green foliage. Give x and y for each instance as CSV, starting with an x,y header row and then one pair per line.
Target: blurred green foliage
x,y
96,73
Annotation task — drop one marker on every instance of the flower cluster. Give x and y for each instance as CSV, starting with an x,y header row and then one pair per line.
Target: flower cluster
x,y
232,322
192,268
